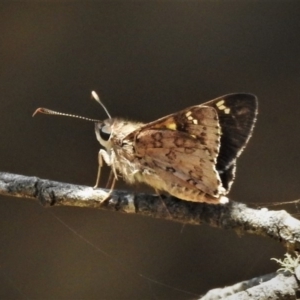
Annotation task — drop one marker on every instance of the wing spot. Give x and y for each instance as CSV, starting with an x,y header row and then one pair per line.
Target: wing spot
x,y
189,150
157,136
202,140
195,121
170,169
191,181
207,151
227,111
171,126
158,144
171,155
221,107
221,102
188,113
195,175
179,142
198,170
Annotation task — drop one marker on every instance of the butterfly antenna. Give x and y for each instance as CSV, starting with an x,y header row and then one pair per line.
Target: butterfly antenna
x,y
96,97
52,112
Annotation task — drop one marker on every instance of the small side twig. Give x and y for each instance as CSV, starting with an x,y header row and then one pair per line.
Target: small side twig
x,y
278,225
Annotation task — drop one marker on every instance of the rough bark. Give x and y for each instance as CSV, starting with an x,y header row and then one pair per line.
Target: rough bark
x,y
278,225
284,286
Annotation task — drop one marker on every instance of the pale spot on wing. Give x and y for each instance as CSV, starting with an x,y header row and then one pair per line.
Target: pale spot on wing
x,y
221,102
221,107
171,126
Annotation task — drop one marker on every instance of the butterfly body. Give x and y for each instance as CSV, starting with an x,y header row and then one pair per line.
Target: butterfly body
x,y
182,153
190,154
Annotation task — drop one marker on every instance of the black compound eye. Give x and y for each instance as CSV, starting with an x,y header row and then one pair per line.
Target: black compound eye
x,y
105,132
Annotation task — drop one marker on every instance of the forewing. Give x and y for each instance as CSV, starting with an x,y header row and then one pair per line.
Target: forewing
x,y
237,115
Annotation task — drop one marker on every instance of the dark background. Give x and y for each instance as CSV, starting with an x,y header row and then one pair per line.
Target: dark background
x,y
145,60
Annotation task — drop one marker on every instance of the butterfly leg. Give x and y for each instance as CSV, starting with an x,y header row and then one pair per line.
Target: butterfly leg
x,y
109,181
103,155
108,195
164,204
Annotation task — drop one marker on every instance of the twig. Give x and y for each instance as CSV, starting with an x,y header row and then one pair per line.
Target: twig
x,y
278,225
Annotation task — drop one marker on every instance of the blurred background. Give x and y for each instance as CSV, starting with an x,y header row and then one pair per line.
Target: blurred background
x,y
145,60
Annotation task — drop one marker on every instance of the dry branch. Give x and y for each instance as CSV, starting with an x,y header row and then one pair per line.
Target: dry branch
x,y
278,225
272,286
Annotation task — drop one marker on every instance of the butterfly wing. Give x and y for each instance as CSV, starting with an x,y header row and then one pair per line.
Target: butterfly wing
x,y
193,152
182,149
237,115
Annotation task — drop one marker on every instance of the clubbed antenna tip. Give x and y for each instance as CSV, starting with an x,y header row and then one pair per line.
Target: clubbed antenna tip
x,y
96,97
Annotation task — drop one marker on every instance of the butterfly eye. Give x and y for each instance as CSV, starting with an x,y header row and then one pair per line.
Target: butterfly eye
x,y
105,132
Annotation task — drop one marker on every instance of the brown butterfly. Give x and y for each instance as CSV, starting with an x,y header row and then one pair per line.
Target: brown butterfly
x,y
190,154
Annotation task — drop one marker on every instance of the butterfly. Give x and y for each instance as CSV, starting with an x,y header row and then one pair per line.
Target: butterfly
x,y
191,154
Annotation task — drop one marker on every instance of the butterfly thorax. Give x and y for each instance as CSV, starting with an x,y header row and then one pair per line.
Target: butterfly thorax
x,y
128,162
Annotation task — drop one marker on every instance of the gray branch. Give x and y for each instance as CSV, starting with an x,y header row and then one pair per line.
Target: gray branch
x,y
278,225
271,286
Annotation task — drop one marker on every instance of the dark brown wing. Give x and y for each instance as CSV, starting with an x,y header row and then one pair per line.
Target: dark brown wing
x,y
237,115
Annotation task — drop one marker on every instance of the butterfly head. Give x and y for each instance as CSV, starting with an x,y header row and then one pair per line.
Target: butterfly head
x,y
103,130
